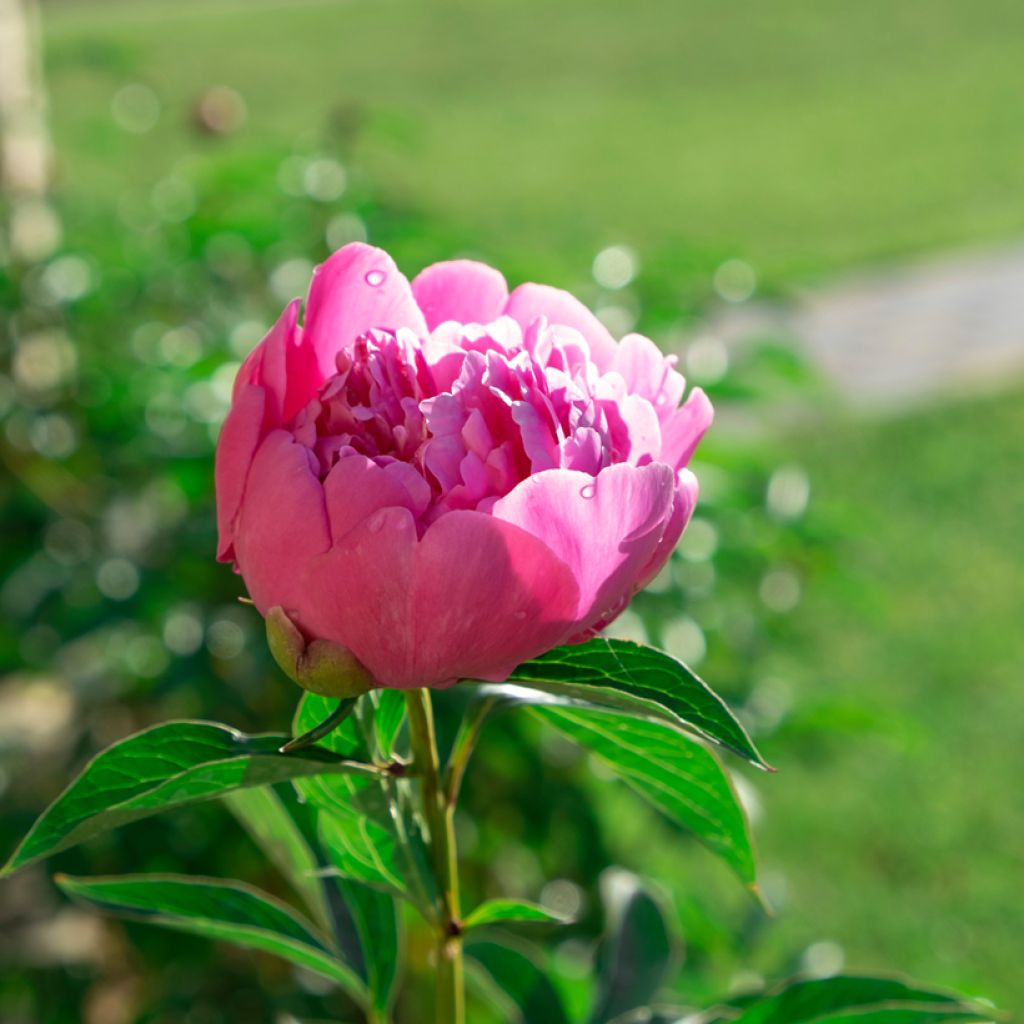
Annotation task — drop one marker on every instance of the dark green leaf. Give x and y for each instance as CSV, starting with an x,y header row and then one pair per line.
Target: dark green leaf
x,y
637,950
517,982
848,999
229,911
632,678
512,912
676,774
375,917
163,767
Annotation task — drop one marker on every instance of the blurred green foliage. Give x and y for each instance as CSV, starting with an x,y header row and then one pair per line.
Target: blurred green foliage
x,y
852,585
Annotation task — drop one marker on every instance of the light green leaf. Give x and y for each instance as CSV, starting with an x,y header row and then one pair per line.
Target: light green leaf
x,y
503,911
163,767
363,848
388,718
263,814
676,774
345,740
637,951
229,911
515,981
847,999
633,679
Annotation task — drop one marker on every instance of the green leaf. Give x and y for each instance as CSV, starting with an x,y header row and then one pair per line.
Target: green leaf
x,y
388,717
167,766
262,813
630,678
846,999
346,740
364,842
637,951
677,775
515,981
375,917
512,912
364,831
229,911
365,922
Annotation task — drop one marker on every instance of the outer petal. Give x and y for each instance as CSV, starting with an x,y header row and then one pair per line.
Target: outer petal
x,y
530,301
473,598
289,368
282,523
460,290
683,504
357,289
360,595
605,528
239,437
488,597
682,430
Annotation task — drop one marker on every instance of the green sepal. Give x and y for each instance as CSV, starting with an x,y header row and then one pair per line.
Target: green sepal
x,y
318,666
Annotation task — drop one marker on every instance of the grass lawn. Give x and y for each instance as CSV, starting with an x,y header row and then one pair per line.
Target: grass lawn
x,y
804,137
902,841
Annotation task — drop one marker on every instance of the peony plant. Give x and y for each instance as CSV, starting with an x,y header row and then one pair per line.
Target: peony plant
x,y
447,486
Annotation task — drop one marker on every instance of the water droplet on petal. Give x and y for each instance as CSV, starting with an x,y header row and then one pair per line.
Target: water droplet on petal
x,y
519,615
588,491
375,278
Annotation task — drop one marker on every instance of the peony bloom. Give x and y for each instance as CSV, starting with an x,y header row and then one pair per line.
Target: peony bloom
x,y
446,479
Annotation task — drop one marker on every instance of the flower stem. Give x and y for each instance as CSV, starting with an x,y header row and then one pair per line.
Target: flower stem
x,y
439,815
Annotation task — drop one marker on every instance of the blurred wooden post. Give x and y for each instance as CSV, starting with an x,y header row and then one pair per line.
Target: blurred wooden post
x,y
31,230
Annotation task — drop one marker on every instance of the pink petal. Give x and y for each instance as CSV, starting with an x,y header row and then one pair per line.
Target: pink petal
x,y
356,289
460,290
415,486
251,370
289,369
282,522
647,371
360,594
605,528
472,599
488,597
239,436
640,425
356,487
683,504
530,301
682,430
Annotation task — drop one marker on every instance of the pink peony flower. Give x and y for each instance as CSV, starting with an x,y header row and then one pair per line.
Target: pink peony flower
x,y
446,479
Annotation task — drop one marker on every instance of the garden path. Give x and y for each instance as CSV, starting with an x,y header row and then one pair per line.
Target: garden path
x,y
898,337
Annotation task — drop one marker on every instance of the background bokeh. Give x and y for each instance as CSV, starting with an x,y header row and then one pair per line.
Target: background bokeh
x,y
852,581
